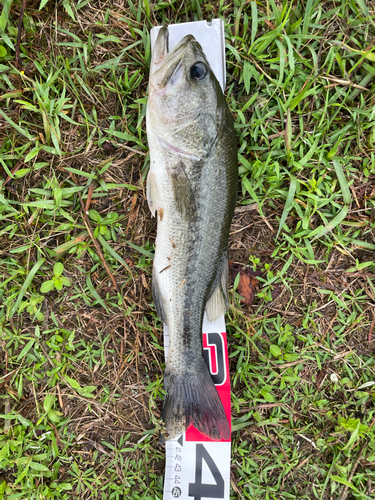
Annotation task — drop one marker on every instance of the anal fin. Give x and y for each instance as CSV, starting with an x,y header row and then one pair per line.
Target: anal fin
x,y
218,303
158,298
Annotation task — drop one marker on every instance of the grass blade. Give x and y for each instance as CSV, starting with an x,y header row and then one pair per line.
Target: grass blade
x,y
288,203
14,125
322,230
363,244
141,250
69,244
112,252
95,294
254,21
26,285
343,182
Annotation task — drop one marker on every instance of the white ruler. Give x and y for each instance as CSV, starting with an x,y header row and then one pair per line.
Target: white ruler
x,y
211,37
196,466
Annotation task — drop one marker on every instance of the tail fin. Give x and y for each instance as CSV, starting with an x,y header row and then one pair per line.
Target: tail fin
x,y
192,398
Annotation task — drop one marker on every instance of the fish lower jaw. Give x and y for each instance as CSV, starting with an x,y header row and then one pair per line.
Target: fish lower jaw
x,y
156,91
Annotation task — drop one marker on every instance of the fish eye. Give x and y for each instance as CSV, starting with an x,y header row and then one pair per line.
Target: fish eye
x,y
198,71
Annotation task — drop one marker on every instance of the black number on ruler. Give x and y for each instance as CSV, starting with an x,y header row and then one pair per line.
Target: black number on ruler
x,y
215,339
199,489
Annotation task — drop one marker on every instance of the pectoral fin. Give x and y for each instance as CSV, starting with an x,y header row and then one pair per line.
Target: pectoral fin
x,y
183,193
218,303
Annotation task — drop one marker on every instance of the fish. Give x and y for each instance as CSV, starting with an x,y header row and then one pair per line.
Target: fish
x,y
192,187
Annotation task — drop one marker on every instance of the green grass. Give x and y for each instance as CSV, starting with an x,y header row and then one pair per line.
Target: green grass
x,y
82,361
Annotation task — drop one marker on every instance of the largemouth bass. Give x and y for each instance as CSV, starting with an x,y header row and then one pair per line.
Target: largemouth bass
x,y
192,185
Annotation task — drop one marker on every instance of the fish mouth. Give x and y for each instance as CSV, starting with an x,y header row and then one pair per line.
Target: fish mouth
x,y
161,47
161,52
167,66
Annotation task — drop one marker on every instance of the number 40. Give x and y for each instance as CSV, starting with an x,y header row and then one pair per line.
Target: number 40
x,y
199,489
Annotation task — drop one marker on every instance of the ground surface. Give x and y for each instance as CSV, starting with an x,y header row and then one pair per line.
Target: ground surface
x,y
82,363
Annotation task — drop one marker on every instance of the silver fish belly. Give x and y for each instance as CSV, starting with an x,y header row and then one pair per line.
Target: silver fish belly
x,y
192,185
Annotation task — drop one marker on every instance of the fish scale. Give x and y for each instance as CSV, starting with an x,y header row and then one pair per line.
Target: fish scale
x,y
192,185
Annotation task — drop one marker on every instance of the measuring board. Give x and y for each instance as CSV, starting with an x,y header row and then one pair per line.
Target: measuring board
x,y
196,466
